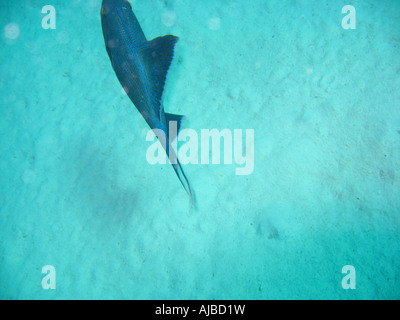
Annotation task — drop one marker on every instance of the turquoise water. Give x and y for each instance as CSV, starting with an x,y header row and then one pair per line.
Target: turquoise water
x,y
77,192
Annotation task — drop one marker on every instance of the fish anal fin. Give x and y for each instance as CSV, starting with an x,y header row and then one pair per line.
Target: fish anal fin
x,y
157,55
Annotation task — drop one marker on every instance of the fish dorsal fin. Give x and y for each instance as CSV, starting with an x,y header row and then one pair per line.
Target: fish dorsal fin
x,y
157,55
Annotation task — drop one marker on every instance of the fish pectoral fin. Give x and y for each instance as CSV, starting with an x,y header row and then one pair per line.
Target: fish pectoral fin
x,y
157,56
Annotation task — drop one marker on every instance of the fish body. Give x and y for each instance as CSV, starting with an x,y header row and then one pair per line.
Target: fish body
x,y
141,67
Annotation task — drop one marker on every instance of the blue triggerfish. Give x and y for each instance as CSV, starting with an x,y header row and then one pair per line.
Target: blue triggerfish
x,y
141,67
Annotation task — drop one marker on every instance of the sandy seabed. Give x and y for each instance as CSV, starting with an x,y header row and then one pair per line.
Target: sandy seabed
x,y
77,192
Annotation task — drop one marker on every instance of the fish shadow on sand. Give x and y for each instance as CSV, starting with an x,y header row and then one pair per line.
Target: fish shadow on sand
x,y
264,225
95,192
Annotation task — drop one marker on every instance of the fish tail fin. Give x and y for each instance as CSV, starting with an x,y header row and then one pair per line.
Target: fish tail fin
x,y
185,182
175,118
